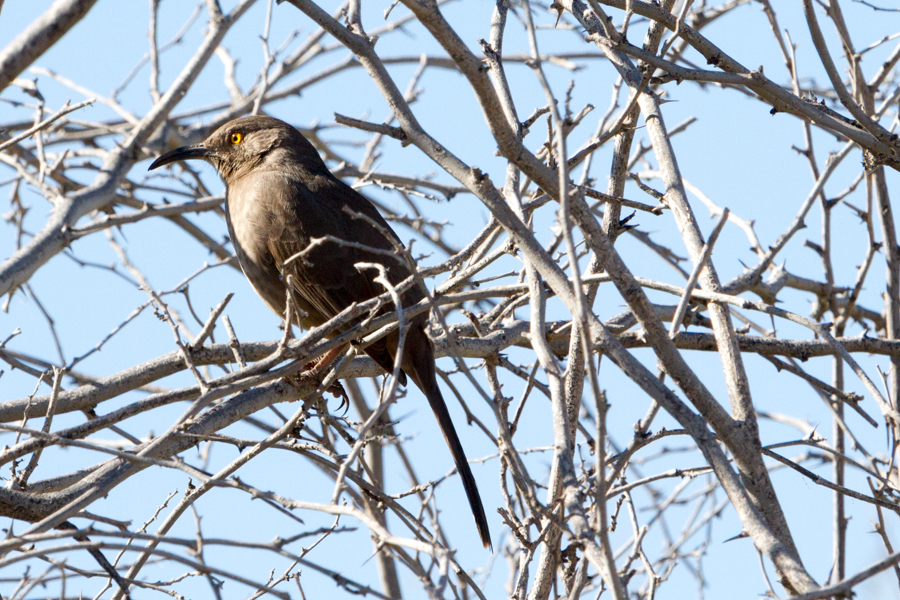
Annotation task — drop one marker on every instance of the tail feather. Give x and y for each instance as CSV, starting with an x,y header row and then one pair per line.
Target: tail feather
x,y
418,362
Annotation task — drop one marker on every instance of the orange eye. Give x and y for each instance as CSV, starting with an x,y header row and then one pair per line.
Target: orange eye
x,y
236,138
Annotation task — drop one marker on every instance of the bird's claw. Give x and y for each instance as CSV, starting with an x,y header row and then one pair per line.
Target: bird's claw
x,y
313,377
337,390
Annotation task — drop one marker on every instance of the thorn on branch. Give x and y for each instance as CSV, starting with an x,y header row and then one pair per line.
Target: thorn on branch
x,y
559,12
814,247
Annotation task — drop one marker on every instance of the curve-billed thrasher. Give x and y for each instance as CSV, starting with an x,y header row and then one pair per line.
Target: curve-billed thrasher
x,y
280,195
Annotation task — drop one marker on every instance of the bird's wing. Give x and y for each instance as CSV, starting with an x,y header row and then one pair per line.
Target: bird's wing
x,y
326,276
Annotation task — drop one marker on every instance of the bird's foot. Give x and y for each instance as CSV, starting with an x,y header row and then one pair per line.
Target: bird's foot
x,y
313,373
309,377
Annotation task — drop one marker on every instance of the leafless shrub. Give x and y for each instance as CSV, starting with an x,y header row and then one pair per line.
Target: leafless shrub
x,y
515,310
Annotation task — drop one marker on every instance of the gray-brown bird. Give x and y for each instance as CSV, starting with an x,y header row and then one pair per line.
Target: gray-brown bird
x,y
279,196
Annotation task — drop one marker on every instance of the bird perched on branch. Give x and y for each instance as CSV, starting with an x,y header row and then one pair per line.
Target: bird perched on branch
x,y
280,196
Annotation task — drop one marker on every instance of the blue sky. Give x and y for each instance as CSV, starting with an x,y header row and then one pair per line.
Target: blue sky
x,y
736,152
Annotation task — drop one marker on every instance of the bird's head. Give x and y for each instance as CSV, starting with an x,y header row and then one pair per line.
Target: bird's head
x,y
244,144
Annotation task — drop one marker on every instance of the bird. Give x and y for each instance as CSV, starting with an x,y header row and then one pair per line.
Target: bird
x,y
280,195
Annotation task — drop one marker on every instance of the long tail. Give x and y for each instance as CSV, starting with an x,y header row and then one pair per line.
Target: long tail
x,y
418,362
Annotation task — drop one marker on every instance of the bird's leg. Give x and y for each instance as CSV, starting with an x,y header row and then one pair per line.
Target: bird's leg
x,y
318,365
314,370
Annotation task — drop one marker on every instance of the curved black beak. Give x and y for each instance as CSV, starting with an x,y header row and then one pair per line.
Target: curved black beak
x,y
183,153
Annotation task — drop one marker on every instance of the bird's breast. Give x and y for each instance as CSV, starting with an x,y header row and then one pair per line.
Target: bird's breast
x,y
248,224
